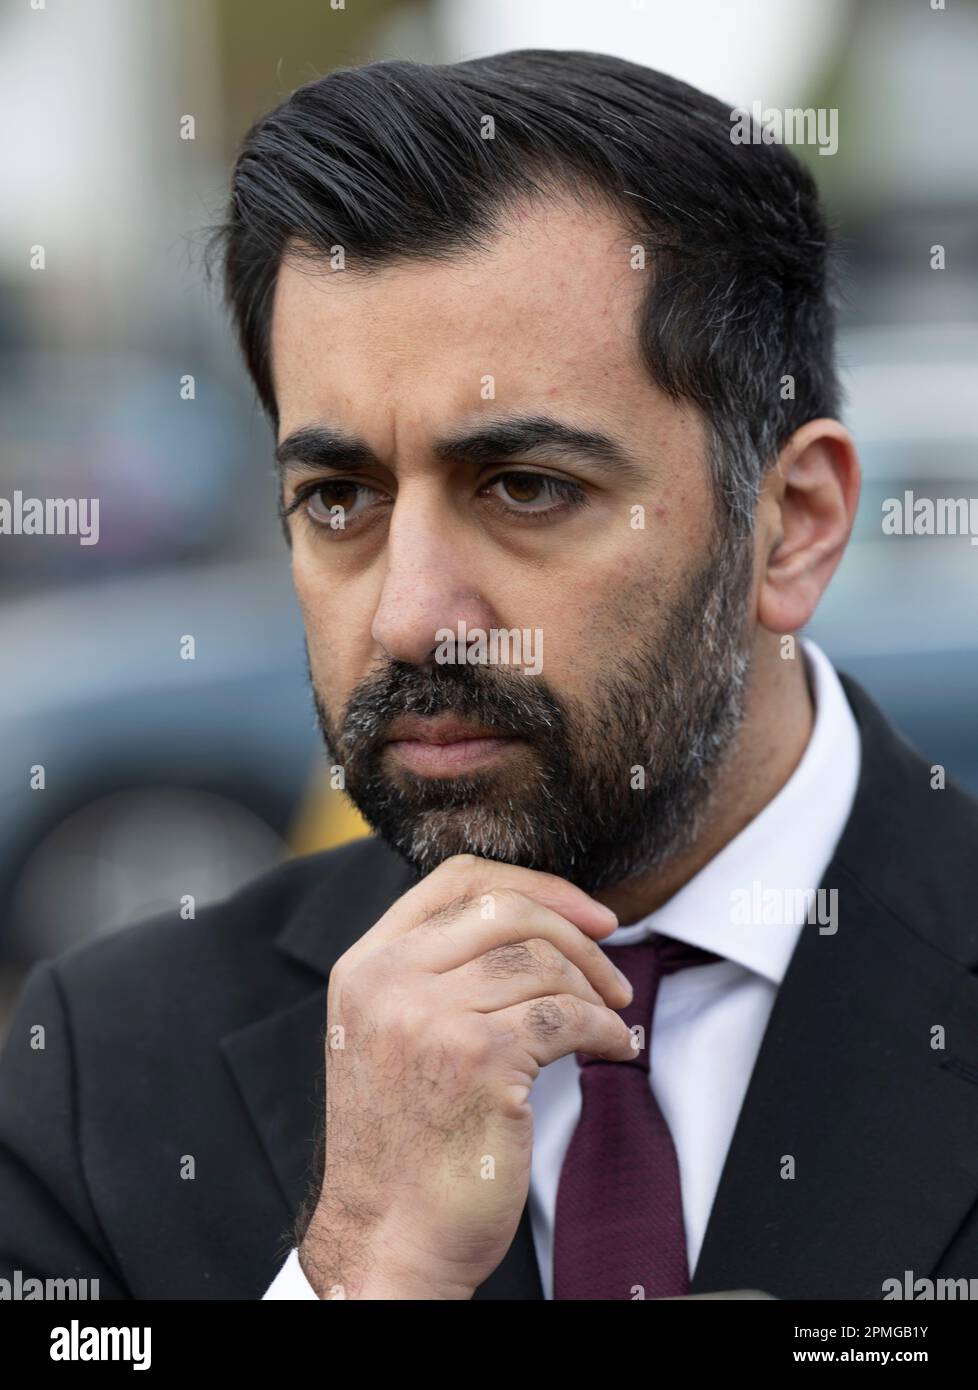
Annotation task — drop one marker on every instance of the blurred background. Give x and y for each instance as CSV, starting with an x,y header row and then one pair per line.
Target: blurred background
x,y
166,777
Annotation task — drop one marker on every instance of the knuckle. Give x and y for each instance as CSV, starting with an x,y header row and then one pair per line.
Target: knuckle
x,y
342,982
447,912
595,951
510,1097
545,1017
366,978
466,1039
549,957
506,893
552,882
509,903
573,1008
511,958
459,863
411,1017
343,971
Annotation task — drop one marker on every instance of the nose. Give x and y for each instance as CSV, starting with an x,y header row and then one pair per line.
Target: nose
x,y
431,580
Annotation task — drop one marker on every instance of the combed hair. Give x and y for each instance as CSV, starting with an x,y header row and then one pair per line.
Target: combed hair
x,y
389,162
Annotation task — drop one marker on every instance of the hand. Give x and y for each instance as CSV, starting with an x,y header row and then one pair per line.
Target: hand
x,y
439,1020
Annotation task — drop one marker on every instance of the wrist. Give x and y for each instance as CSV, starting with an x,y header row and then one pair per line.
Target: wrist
x,y
344,1264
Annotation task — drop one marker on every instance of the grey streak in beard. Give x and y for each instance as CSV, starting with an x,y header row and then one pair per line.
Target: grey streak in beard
x,y
672,707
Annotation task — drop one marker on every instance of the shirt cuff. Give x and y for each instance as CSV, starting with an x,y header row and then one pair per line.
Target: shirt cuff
x,y
290,1281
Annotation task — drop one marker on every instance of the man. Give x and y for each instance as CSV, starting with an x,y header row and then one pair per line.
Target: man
x,y
659,977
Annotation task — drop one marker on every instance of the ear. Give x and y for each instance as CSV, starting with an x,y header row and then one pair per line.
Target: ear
x,y
805,515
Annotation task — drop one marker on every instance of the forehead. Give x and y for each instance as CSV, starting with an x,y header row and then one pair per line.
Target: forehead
x,y
549,309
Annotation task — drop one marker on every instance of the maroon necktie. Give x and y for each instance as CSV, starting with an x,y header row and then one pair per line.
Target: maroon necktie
x,y
619,1216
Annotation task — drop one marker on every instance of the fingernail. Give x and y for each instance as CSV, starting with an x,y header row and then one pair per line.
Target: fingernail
x,y
625,981
606,912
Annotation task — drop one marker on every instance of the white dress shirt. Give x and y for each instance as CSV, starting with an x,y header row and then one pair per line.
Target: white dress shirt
x,y
708,1021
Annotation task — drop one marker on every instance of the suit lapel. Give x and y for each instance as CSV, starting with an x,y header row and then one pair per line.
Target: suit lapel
x,y
882,1131
277,1064
882,1128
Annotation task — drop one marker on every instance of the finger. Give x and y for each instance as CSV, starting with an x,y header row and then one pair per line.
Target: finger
x,y
513,973
562,1023
440,945
464,878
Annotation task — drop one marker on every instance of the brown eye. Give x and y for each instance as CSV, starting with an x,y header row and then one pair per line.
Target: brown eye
x,y
522,487
338,502
339,494
535,494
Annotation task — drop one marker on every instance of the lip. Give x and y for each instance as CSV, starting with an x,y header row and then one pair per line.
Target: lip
x,y
438,729
443,745
447,759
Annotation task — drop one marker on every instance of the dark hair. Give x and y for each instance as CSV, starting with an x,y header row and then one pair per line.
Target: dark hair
x,y
389,161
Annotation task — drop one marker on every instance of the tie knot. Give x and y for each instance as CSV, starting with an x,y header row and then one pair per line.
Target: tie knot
x,y
643,964
672,954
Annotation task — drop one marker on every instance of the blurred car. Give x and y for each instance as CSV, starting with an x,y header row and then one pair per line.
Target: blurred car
x,y
163,777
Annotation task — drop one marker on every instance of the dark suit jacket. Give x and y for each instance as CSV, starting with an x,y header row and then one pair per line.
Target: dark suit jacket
x,y
205,1038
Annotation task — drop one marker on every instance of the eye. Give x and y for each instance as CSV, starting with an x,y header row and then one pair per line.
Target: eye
x,y
323,498
534,494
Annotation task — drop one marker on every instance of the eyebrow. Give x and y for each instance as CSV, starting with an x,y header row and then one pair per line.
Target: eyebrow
x,y
313,447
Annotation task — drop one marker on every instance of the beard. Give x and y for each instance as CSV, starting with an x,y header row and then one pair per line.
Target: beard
x,y
599,792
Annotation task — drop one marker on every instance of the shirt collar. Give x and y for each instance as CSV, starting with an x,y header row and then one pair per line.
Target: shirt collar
x,y
787,846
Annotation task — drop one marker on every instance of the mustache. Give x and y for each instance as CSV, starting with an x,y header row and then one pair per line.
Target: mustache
x,y
515,704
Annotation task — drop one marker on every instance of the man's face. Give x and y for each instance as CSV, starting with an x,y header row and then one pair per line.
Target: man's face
x,y
607,560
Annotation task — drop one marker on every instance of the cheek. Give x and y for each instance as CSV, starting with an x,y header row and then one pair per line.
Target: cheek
x,y
320,624
337,630
313,597
637,587
585,629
